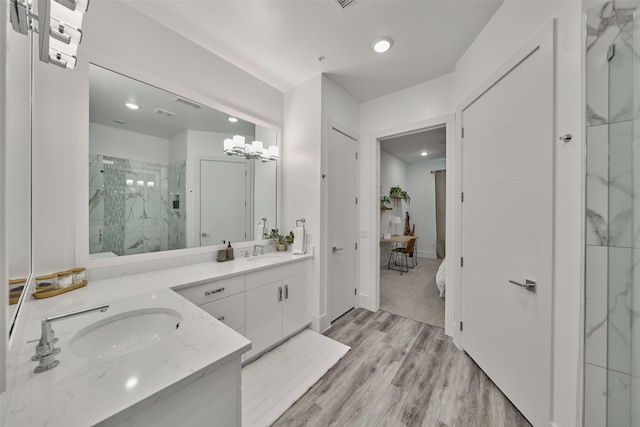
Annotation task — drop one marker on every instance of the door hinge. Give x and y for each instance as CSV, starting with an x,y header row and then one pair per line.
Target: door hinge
x,y
356,246
355,291
356,155
461,197
462,132
461,323
356,200
461,262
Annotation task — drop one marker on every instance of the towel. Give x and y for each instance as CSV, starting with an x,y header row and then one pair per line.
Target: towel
x,y
260,231
299,241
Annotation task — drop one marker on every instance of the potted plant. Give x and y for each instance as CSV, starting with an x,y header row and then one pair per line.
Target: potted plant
x,y
384,203
398,193
280,240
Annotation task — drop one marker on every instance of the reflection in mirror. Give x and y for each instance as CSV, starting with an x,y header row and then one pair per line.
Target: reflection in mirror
x,y
18,167
158,176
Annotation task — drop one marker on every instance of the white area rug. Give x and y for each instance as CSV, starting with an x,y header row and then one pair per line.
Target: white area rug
x,y
274,382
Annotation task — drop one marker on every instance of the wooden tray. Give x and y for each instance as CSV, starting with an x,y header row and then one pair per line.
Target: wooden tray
x,y
53,293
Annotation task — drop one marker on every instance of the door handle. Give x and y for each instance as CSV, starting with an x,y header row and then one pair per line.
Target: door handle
x,y
529,285
336,249
203,234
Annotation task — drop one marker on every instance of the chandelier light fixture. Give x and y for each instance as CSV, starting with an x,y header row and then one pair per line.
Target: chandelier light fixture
x,y
57,23
255,150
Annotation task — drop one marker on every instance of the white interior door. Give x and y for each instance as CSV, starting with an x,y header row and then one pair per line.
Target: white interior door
x,y
507,231
342,223
224,211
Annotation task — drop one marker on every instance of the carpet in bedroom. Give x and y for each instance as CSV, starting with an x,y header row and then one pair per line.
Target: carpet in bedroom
x,y
414,294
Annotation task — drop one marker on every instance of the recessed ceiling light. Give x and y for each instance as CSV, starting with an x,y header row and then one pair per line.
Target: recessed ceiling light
x,y
424,153
131,106
382,45
233,120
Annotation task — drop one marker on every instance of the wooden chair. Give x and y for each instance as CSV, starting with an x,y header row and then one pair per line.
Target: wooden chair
x,y
402,254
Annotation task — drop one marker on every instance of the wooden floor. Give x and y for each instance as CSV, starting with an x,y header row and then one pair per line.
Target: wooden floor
x,y
400,372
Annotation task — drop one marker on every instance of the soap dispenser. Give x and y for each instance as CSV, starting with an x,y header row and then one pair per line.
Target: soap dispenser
x,y
229,251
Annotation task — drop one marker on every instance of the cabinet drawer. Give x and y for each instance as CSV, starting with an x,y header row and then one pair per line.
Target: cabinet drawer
x,y
270,275
212,291
229,311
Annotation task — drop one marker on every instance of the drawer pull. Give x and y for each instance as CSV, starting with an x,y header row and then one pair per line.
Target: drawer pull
x,y
215,291
221,318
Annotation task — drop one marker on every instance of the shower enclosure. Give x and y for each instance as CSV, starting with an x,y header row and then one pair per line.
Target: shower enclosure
x,y
612,313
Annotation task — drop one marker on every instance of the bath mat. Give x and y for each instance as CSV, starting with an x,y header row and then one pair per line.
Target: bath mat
x,y
274,382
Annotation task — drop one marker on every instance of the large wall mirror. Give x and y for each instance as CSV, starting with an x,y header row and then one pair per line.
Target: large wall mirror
x,y
18,167
159,178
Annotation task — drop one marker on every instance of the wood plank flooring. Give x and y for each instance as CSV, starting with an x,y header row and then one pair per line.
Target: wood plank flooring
x,y
400,372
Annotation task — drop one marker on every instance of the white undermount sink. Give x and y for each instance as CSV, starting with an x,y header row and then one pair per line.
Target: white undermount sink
x,y
125,333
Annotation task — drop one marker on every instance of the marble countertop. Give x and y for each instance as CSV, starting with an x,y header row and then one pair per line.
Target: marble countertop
x,y
83,392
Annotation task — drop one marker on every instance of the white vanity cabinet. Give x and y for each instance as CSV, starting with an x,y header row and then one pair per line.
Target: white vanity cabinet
x,y
276,309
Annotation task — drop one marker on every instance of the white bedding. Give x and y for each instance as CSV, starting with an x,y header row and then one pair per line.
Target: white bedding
x,y
441,278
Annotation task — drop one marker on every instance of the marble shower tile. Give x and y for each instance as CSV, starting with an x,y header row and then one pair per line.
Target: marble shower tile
x,y
134,233
95,236
621,77
596,306
619,400
96,203
604,23
635,321
619,334
636,183
595,396
620,184
597,185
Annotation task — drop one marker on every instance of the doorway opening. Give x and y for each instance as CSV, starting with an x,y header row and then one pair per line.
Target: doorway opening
x,y
412,223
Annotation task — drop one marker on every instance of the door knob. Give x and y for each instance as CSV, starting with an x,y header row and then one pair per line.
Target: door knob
x,y
336,249
529,285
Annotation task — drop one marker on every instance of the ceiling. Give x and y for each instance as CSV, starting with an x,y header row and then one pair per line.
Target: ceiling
x,y
280,42
109,91
409,146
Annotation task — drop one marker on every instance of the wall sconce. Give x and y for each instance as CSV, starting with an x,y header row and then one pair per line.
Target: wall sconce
x,y
57,23
255,150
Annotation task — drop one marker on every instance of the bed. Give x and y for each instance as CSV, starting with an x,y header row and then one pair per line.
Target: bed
x,y
441,278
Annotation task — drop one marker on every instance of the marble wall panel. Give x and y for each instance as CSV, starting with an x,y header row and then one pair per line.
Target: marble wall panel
x,y
620,184
596,306
619,400
620,300
595,396
597,185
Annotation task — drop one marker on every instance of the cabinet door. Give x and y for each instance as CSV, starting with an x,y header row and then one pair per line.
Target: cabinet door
x,y
264,317
296,311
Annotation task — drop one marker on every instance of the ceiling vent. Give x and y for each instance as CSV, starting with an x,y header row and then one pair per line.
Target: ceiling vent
x,y
187,102
165,113
345,4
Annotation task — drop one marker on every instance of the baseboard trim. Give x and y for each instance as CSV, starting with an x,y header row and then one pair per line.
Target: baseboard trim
x,y
425,254
320,324
365,301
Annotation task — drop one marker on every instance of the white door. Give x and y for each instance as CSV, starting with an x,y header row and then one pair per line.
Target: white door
x,y
224,212
342,223
507,226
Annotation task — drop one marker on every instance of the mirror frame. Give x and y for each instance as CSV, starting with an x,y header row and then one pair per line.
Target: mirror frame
x,y
82,166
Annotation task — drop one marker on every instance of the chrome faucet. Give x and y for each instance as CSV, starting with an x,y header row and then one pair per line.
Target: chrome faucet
x,y
255,249
46,350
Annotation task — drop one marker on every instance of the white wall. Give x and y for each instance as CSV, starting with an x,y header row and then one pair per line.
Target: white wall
x,y
409,109
422,189
121,143
393,172
301,180
510,28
